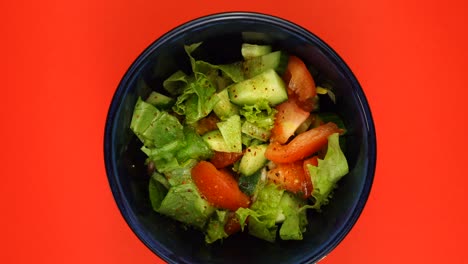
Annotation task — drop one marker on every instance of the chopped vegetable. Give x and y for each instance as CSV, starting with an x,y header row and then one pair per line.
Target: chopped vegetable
x,y
292,177
288,119
302,146
224,159
328,171
231,132
232,224
241,146
299,79
218,187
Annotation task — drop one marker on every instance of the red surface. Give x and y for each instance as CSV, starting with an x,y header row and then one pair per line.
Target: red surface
x,y
61,63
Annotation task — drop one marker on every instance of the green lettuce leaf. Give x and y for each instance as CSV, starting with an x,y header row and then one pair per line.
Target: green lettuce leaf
x,y
263,213
157,192
182,201
197,93
259,114
143,114
272,210
231,131
180,174
328,172
164,158
161,179
165,141
232,71
184,204
197,100
215,228
164,129
195,147
295,219
189,49
153,127
262,229
177,83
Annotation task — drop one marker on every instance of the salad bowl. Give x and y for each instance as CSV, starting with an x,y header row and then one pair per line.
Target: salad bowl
x,y
223,33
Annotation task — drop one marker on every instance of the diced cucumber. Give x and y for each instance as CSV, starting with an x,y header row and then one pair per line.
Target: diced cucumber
x,y
227,138
224,108
256,132
246,139
277,60
250,185
231,132
159,100
215,140
267,85
252,50
250,141
253,159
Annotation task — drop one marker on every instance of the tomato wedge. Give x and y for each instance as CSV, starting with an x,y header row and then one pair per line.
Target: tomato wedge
x,y
299,79
207,124
303,145
291,177
218,187
307,105
232,224
224,159
310,161
288,118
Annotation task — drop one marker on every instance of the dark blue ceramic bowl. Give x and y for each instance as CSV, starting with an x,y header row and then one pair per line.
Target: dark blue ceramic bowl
x,y
223,33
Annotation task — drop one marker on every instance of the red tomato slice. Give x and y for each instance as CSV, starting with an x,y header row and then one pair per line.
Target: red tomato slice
x,y
307,105
224,159
218,187
291,177
303,145
310,161
207,124
232,225
299,79
288,118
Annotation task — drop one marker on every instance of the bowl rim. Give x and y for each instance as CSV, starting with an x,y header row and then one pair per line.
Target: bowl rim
x,y
109,154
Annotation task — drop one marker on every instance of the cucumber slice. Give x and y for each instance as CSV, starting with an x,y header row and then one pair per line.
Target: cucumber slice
x,y
215,140
224,108
255,131
159,100
253,159
250,185
231,132
252,50
277,60
267,85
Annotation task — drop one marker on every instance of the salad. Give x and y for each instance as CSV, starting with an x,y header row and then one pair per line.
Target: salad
x,y
241,147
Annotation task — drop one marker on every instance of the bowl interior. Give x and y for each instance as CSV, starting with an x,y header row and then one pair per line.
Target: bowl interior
x,y
222,35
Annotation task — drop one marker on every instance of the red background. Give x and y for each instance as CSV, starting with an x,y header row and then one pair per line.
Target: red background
x,y
61,63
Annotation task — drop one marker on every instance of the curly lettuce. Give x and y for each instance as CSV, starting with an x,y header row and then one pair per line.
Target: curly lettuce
x,y
260,114
328,172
